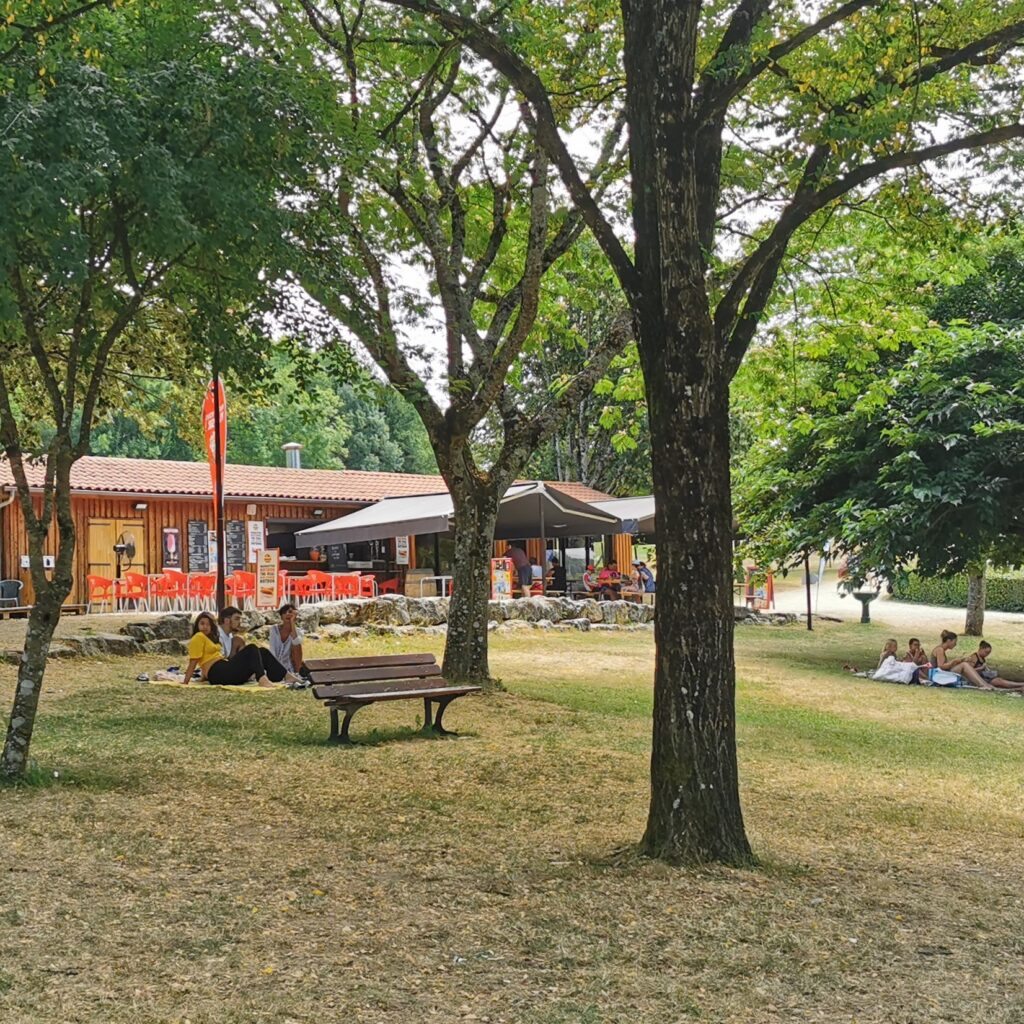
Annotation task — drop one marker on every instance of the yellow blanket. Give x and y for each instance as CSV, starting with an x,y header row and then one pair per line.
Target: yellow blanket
x,y
242,688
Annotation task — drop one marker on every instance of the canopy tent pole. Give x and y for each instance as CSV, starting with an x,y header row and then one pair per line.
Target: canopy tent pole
x,y
437,554
543,548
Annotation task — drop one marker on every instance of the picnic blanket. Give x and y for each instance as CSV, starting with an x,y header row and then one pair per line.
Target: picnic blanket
x,y
241,688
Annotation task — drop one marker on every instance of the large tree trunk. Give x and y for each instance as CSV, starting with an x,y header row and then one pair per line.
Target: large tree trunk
x,y
695,814
975,624
465,652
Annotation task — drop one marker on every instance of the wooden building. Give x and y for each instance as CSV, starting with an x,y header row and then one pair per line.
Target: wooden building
x,y
162,512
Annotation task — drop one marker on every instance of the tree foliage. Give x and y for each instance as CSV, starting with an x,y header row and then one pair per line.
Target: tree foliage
x,y
141,163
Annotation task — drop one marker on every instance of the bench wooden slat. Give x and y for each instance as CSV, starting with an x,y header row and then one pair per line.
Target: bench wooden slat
x,y
414,686
369,674
373,697
343,664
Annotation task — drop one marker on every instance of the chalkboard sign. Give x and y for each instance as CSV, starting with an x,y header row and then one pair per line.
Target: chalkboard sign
x,y
337,557
198,546
234,545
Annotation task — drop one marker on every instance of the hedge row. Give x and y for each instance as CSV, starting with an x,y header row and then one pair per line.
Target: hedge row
x,y
1004,591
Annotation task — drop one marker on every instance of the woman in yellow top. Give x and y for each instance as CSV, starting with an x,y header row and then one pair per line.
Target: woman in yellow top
x,y
204,651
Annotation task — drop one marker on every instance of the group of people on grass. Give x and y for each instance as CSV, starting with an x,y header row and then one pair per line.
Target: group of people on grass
x,y
223,656
940,667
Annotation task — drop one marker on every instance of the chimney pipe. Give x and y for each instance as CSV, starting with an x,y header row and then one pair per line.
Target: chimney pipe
x,y
292,455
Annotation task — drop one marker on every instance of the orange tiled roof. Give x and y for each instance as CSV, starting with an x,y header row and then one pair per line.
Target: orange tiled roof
x,y
152,477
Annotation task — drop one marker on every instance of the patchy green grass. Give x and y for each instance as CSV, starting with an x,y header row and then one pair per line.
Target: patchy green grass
x,y
203,856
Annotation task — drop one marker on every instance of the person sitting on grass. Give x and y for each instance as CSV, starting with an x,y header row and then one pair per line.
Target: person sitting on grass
x,y
915,652
286,641
889,669
206,654
979,662
233,644
942,662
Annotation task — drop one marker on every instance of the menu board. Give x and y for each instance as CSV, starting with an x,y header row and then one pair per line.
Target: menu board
x,y
234,545
337,557
198,546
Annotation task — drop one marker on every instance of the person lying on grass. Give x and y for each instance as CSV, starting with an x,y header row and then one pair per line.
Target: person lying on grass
x,y
979,662
942,662
206,654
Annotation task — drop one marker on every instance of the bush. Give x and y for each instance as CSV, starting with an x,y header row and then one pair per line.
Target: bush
x,y
1004,592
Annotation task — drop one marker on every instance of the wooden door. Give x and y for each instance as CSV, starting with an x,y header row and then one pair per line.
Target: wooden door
x,y
132,530
103,535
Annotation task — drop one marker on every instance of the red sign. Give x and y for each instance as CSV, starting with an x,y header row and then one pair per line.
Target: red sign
x,y
211,413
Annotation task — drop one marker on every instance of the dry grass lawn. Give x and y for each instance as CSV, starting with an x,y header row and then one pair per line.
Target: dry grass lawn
x,y
203,857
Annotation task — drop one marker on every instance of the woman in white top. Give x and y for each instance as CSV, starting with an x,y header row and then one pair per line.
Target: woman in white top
x,y
286,640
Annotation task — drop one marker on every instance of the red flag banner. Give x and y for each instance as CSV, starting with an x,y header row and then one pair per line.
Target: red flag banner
x,y
215,394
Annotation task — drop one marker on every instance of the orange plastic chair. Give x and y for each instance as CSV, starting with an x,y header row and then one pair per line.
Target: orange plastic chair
x,y
242,587
388,587
133,586
345,584
101,592
202,587
174,584
321,586
367,586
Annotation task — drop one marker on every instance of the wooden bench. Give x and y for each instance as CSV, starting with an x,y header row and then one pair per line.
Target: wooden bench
x,y
348,684
22,611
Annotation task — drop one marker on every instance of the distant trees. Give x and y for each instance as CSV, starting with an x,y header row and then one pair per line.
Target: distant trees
x,y
914,456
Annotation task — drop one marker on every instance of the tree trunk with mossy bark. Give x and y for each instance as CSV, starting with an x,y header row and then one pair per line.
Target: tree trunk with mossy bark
x,y
50,595
975,621
465,652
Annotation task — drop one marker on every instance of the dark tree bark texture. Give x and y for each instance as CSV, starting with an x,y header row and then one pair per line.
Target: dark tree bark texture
x,y
694,813
975,621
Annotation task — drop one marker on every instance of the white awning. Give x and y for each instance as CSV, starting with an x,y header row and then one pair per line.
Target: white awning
x,y
391,517
637,514
532,509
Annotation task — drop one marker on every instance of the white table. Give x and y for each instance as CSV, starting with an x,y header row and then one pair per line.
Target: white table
x,y
441,580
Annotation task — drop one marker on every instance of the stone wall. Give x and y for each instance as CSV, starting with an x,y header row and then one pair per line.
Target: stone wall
x,y
386,615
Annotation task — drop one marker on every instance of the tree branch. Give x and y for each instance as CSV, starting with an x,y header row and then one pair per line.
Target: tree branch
x,y
756,279
487,45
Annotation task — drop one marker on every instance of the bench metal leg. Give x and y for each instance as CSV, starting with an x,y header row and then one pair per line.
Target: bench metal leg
x,y
437,728
340,738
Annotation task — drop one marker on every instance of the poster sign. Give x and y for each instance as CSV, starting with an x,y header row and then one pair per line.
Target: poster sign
x,y
215,414
401,551
501,579
198,546
267,579
255,532
171,547
211,550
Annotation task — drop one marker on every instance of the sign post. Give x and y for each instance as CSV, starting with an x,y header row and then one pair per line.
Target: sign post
x,y
215,427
